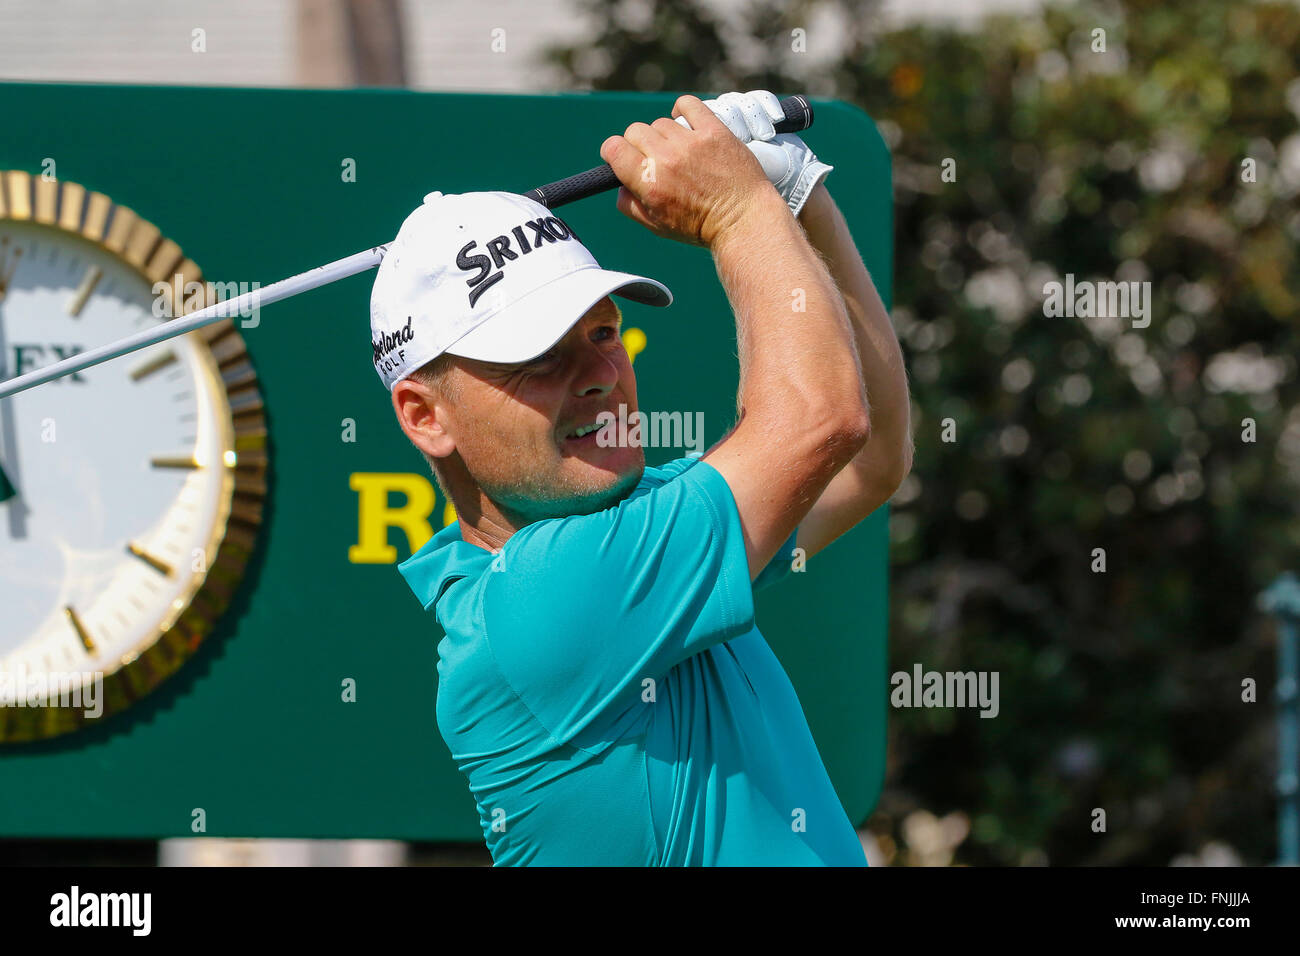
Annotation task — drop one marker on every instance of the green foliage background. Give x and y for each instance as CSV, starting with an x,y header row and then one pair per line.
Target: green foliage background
x,y
1119,690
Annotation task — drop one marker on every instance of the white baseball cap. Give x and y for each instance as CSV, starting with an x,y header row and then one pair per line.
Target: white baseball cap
x,y
492,276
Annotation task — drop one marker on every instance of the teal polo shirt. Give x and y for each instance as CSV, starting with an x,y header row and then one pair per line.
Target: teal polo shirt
x,y
604,689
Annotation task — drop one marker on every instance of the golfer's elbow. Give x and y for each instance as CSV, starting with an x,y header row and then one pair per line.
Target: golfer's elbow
x,y
848,432
897,468
882,465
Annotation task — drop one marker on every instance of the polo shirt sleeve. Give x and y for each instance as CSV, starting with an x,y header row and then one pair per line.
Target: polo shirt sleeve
x,y
587,609
781,564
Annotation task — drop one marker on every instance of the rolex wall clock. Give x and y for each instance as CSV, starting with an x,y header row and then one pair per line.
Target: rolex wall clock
x,y
131,492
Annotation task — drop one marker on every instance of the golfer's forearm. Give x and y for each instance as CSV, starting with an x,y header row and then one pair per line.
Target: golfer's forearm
x,y
889,451
798,367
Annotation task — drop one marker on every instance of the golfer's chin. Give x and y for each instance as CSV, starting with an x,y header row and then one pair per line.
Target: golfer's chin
x,y
606,475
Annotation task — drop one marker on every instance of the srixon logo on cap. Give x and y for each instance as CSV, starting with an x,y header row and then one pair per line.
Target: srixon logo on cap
x,y
388,341
491,266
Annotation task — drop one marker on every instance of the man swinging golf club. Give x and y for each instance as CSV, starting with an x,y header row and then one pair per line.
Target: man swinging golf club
x,y
602,683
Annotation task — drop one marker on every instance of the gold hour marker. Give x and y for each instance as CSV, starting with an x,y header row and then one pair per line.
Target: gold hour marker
x,y
162,567
180,461
8,264
152,365
88,283
80,628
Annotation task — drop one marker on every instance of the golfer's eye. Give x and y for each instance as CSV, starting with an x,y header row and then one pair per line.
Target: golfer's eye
x,y
613,332
543,360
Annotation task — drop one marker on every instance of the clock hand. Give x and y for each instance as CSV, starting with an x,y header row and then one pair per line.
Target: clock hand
x,y
17,510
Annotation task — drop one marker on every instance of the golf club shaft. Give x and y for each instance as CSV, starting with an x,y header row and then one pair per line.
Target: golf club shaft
x,y
311,279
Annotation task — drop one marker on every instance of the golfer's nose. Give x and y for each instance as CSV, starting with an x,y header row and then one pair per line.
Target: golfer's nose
x,y
597,371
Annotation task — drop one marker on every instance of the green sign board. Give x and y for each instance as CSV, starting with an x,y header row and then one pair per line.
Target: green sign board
x,y
255,734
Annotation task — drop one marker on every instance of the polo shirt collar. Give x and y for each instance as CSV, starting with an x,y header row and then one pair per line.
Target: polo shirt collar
x,y
445,558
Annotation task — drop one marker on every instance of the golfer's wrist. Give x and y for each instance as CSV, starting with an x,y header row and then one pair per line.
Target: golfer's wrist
x,y
818,206
763,214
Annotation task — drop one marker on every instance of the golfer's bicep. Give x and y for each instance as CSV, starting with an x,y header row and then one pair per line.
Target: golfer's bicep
x,y
774,484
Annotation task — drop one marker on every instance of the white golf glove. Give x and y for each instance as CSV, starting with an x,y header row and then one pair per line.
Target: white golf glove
x,y
786,159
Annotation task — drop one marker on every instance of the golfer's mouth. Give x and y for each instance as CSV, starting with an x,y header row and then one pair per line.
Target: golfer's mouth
x,y
583,435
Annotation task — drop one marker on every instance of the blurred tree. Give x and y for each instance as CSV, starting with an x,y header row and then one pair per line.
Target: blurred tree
x,y
1124,141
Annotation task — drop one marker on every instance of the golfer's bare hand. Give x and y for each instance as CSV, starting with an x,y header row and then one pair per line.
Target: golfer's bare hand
x,y
691,185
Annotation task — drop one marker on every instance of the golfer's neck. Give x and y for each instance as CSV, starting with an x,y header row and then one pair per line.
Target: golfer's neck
x,y
489,535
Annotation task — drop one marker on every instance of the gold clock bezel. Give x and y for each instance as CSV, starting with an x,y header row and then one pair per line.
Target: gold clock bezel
x,y
72,209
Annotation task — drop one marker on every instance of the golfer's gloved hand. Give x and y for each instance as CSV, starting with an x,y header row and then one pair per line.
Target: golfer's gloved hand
x,y
786,159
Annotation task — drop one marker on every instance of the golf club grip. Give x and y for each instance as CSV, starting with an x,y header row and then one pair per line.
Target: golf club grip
x,y
798,116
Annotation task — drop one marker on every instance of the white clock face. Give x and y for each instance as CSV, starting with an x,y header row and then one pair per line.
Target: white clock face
x,y
119,477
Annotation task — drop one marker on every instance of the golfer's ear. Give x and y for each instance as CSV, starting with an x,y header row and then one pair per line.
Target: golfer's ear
x,y
416,407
